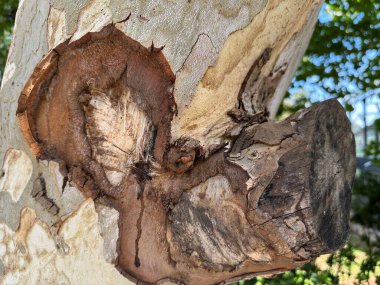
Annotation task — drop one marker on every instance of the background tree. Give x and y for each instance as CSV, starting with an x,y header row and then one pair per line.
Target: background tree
x,y
343,56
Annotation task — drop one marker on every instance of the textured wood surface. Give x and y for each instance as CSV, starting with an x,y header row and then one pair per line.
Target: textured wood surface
x,y
146,141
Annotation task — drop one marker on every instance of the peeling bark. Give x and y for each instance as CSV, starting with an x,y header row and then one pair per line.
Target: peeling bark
x,y
192,181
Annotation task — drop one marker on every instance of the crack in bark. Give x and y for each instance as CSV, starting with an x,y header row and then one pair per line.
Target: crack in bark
x,y
283,216
139,229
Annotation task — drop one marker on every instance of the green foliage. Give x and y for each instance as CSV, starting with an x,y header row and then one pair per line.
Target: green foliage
x,y
366,212
377,125
373,151
349,107
344,54
308,275
292,104
7,15
347,266
366,201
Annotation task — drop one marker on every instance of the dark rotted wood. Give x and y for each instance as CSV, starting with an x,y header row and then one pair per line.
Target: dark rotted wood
x,y
301,174
278,196
331,174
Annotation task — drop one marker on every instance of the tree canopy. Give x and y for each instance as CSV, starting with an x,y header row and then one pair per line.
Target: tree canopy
x,y
344,53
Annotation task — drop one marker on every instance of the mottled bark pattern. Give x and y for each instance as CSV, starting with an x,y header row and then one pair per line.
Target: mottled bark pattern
x,y
271,198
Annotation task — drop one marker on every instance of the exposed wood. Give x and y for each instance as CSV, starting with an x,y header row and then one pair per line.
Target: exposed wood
x,y
163,122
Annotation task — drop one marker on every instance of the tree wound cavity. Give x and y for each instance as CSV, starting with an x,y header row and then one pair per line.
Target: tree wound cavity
x,y
102,106
93,104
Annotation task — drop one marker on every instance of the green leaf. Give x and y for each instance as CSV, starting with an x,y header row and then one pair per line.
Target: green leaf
x,y
377,124
349,107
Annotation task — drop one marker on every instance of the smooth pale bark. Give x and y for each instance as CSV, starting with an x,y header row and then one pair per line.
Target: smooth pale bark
x,y
137,144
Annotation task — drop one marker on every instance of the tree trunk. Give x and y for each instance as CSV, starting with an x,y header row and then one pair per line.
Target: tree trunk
x,y
137,145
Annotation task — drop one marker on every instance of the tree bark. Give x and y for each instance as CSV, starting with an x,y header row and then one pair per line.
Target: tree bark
x,y
138,146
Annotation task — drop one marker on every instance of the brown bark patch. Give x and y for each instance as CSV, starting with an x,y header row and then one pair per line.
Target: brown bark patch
x,y
93,104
